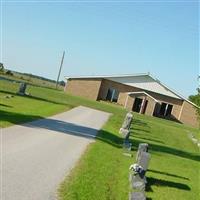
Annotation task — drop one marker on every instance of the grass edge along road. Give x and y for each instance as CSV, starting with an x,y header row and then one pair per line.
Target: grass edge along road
x,y
102,172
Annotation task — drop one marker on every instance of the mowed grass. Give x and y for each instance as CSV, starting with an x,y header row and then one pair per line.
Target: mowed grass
x,y
20,109
102,172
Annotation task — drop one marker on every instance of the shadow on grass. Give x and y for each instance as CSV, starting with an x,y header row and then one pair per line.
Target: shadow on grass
x,y
168,174
165,149
4,105
16,118
140,123
145,138
33,97
133,129
163,183
75,129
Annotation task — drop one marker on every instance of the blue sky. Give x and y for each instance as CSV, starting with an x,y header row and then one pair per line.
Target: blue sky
x,y
104,38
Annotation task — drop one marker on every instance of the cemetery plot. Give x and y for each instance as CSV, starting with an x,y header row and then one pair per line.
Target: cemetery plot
x,y
137,173
125,131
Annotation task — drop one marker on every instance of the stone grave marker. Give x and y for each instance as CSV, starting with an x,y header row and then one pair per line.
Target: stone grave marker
x,y
125,131
127,121
137,196
22,89
143,147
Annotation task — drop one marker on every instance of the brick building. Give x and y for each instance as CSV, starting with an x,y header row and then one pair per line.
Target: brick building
x,y
140,93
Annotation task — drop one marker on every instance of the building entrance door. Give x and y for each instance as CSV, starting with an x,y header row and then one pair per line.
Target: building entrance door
x,y
137,105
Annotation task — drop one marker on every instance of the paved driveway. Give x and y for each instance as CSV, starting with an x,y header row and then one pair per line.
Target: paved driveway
x,y
37,155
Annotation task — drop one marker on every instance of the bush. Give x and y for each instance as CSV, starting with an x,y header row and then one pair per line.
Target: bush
x,y
9,72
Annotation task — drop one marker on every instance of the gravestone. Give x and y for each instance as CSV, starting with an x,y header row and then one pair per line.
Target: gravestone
x,y
143,160
137,183
137,177
137,196
125,131
143,147
22,89
127,121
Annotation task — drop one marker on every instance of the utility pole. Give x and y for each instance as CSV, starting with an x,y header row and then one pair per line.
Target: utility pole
x,y
60,69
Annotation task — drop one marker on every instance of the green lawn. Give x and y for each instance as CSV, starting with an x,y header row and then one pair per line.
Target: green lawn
x,y
102,172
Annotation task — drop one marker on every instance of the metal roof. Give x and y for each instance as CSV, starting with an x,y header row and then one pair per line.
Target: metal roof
x,y
145,93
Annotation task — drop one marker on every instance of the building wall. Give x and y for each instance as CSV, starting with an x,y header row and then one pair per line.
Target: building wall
x,y
150,106
177,103
188,115
129,103
97,89
88,88
123,89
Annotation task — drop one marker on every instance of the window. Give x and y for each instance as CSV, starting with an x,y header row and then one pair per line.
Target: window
x,y
115,96
137,105
165,109
169,110
112,95
162,109
109,95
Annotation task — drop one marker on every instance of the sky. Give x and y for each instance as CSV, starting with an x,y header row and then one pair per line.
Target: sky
x,y
104,38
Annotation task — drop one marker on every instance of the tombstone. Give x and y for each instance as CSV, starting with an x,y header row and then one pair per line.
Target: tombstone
x,y
22,89
143,160
137,182
125,131
127,121
137,196
136,177
143,147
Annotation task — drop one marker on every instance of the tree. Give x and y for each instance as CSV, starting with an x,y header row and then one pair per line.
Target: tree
x,y
196,100
1,67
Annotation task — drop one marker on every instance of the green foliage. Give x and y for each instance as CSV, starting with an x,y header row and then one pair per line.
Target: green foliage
x,y
9,72
102,172
196,100
1,67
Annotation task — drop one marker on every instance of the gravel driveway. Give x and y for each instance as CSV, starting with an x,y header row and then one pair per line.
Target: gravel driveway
x,y
37,155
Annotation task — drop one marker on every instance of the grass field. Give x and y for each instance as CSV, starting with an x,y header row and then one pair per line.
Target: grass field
x,y
102,172
19,77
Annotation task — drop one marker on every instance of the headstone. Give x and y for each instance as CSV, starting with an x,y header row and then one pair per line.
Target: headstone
x,y
125,131
137,196
143,160
137,183
137,175
143,147
138,170
127,121
22,89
